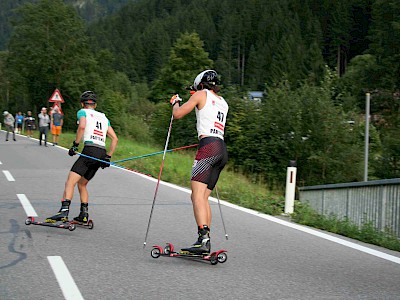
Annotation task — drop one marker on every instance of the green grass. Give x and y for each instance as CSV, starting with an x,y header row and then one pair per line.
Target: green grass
x,y
367,233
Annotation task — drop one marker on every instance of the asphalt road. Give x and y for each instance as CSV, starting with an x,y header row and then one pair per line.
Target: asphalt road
x,y
268,258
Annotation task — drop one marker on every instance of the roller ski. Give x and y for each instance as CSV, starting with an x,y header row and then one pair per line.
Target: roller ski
x,y
65,224
201,249
219,256
60,219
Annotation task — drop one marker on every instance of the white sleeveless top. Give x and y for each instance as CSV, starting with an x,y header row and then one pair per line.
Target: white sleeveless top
x,y
212,117
96,127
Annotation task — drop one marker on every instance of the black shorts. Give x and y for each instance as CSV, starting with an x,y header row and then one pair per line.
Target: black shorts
x,y
88,167
211,158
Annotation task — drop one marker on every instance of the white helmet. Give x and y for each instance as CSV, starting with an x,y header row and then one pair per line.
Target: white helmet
x,y
209,77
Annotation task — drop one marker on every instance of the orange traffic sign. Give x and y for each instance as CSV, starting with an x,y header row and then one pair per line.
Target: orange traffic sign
x,y
56,97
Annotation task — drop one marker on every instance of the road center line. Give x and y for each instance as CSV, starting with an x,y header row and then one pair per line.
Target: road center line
x,y
29,210
64,278
8,175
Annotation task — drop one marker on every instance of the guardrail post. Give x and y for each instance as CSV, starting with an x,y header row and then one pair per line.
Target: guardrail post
x,y
290,187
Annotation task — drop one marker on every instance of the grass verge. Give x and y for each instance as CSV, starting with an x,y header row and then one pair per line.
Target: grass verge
x,y
305,215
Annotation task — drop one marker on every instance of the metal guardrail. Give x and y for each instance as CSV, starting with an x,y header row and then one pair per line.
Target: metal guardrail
x,y
375,201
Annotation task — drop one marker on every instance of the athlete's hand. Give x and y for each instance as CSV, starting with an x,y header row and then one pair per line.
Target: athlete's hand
x,y
72,151
106,162
175,99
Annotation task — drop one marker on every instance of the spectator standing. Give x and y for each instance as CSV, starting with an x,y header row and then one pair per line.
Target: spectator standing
x,y
44,121
30,124
19,118
9,122
57,121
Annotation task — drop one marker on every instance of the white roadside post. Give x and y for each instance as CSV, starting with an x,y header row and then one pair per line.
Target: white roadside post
x,y
290,187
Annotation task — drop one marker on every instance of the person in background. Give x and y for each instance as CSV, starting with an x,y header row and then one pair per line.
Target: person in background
x,y
30,124
9,122
19,118
44,121
57,121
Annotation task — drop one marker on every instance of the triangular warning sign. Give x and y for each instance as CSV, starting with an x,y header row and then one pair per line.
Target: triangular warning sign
x,y
56,106
56,97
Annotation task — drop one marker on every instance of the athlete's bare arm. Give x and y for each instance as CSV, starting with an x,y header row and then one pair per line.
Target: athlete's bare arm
x,y
197,99
114,140
81,130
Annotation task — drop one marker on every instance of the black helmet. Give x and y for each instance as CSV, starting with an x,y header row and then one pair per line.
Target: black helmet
x,y
87,96
209,77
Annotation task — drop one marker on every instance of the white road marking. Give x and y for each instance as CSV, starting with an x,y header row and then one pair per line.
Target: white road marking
x,y
1,163
29,210
302,228
64,278
8,175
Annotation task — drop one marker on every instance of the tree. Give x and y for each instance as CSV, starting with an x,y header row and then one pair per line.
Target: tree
x,y
187,59
385,45
49,49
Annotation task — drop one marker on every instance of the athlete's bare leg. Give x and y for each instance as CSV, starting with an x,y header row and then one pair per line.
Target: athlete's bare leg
x,y
72,180
82,187
201,206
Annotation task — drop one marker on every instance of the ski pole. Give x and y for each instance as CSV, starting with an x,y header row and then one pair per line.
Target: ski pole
x,y
158,180
155,153
220,211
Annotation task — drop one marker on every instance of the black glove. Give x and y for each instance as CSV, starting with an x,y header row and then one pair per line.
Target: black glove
x,y
106,162
72,151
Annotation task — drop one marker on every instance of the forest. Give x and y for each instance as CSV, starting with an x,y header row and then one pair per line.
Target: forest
x,y
313,60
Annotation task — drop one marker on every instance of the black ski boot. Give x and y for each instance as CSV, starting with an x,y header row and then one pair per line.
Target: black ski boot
x,y
83,215
202,245
62,214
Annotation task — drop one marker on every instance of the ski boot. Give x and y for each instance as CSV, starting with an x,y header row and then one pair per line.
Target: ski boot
x,y
83,215
202,246
62,214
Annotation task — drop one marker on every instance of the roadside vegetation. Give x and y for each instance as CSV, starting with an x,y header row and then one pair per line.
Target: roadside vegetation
x,y
367,233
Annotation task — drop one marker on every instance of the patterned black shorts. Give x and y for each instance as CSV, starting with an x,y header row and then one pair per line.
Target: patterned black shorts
x,y
211,158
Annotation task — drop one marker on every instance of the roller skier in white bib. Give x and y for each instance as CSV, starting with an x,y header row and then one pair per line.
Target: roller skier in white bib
x,y
93,129
211,112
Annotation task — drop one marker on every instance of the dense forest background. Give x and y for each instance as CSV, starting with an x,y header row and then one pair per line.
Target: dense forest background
x,y
314,61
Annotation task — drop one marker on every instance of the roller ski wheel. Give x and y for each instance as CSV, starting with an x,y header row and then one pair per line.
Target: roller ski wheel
x,y
71,227
214,258
29,220
222,257
155,252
